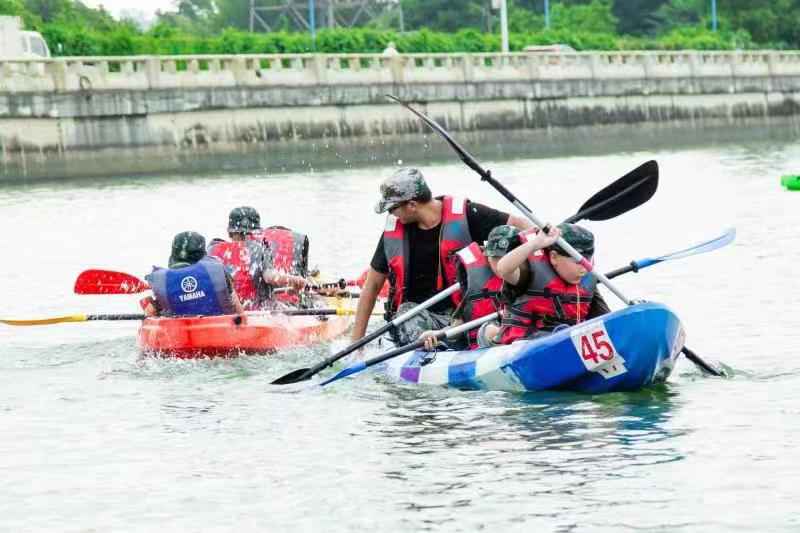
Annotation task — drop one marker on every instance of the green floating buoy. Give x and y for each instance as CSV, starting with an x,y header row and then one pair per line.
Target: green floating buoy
x,y
791,182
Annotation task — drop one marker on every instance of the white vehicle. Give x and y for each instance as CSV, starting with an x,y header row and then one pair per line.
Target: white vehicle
x,y
15,43
550,49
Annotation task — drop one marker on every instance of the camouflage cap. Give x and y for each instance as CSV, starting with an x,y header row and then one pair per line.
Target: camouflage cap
x,y
188,247
405,184
243,220
253,216
578,237
501,240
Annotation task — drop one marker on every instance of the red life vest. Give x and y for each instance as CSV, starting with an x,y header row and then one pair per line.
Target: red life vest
x,y
482,287
453,235
548,302
242,260
289,251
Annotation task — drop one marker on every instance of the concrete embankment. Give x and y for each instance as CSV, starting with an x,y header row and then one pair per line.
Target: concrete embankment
x,y
105,116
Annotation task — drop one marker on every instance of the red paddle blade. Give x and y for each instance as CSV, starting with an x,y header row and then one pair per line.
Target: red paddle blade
x,y
108,282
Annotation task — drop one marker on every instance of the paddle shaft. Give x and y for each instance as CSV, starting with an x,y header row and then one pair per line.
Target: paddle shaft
x,y
449,333
306,373
632,267
710,245
116,317
486,176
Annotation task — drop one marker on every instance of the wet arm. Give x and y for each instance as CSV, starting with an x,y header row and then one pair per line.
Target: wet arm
x,y
366,303
279,279
508,267
521,223
237,304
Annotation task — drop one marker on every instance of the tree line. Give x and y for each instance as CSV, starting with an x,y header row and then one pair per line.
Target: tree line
x,y
221,26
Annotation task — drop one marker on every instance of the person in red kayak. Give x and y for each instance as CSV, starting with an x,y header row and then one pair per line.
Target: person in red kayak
x,y
550,288
288,254
416,251
251,262
193,285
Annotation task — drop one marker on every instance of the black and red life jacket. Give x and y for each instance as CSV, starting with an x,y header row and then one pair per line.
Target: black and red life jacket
x,y
454,235
548,301
242,260
289,250
481,287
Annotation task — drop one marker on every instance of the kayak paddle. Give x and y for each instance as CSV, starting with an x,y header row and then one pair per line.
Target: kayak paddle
x,y
87,318
710,245
450,333
628,192
485,175
303,374
68,318
96,281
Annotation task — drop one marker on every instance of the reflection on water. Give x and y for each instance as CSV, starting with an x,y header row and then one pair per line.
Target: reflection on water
x,y
532,453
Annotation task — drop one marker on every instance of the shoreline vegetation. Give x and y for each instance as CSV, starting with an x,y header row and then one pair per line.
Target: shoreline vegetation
x,y
220,27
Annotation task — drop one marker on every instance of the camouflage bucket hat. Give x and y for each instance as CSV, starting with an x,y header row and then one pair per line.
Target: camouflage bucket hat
x,y
501,240
404,185
243,220
578,237
188,247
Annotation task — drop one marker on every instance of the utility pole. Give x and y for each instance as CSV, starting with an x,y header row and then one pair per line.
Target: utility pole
x,y
714,15
252,15
547,14
504,25
312,22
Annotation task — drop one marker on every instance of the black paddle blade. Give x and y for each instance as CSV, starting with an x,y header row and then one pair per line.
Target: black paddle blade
x,y
295,376
465,156
628,192
702,365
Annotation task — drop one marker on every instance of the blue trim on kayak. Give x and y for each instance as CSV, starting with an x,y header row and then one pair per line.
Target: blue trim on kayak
x,y
647,338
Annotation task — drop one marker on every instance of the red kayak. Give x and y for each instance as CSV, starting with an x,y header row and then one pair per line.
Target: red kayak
x,y
232,335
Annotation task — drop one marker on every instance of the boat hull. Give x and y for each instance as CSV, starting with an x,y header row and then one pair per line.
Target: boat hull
x,y
621,351
232,335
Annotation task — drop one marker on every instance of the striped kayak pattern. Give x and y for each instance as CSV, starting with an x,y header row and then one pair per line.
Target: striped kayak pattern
x,y
621,351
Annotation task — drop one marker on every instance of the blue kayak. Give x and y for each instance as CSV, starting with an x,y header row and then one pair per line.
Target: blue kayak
x,y
621,351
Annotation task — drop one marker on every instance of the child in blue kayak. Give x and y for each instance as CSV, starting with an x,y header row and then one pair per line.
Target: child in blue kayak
x,y
550,288
482,287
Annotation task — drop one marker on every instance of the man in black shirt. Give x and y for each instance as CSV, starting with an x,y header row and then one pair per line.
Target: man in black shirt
x,y
413,253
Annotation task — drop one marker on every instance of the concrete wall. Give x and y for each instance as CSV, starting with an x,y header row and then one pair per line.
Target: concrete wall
x,y
60,110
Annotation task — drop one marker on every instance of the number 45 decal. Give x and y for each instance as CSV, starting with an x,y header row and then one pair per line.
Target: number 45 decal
x,y
596,350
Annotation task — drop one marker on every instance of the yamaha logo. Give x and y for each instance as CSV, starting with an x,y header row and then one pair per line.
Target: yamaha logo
x,y
189,284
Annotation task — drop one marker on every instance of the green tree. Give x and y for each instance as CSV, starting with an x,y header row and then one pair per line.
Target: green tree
x,y
445,15
17,8
638,17
231,14
595,17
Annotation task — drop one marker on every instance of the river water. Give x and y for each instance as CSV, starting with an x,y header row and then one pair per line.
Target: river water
x,y
97,438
